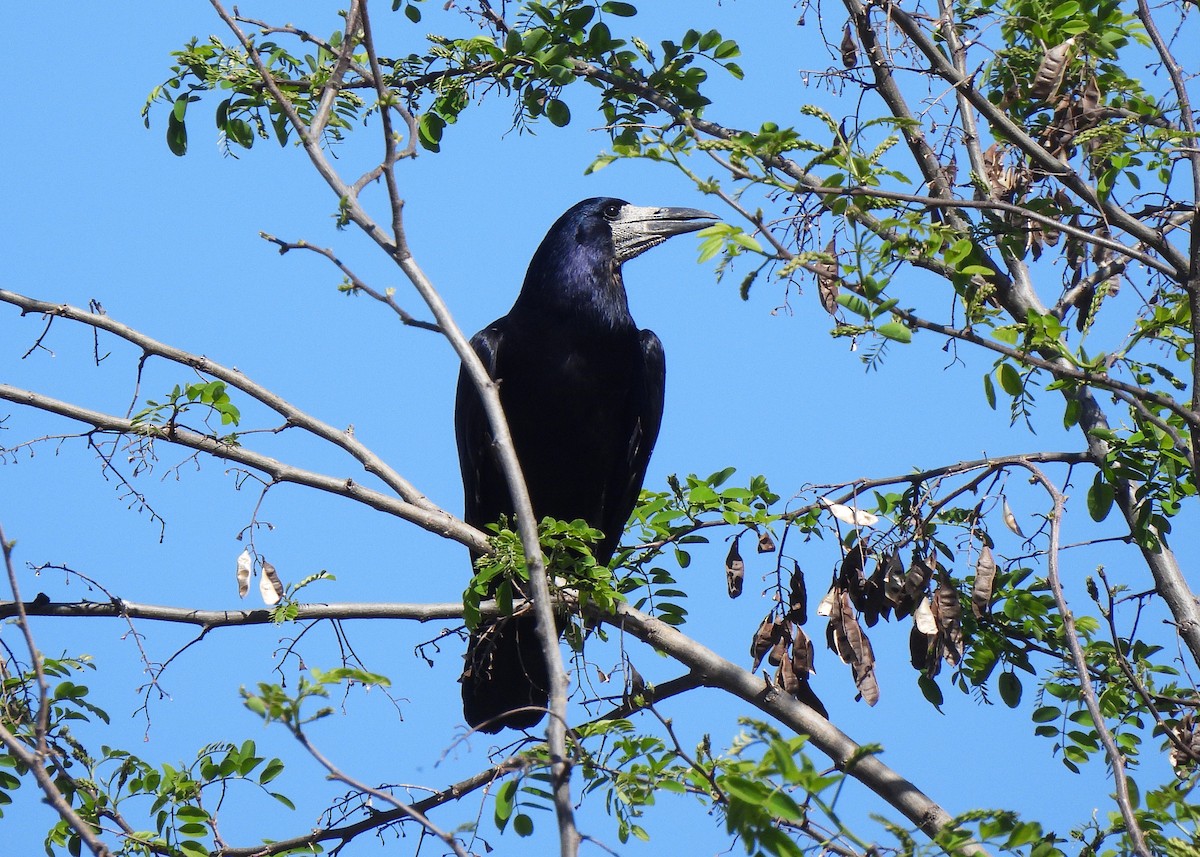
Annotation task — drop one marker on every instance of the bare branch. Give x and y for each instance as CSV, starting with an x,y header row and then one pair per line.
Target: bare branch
x,y
357,284
426,515
372,463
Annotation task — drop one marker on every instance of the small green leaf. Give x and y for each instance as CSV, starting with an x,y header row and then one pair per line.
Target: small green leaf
x,y
504,804
523,825
1010,379
1100,499
931,691
621,10
1010,689
557,112
1046,713
176,136
896,331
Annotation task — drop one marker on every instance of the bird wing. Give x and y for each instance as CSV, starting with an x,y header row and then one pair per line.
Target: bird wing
x,y
483,487
645,408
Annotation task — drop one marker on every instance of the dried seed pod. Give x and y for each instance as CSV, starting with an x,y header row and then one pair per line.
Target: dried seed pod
x,y
245,564
851,515
947,610
923,652
850,575
985,578
1010,520
269,585
810,699
1090,102
783,639
797,596
787,678
735,570
766,544
828,283
893,579
802,654
849,47
923,618
1051,71
764,640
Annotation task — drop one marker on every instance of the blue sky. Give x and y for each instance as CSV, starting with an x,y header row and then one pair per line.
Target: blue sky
x,y
97,208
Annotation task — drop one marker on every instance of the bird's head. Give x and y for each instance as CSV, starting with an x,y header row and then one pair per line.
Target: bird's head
x,y
579,261
623,231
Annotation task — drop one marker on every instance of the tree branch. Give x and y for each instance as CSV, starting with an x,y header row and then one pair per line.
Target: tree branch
x,y
35,758
1115,758
847,755
371,462
427,516
397,249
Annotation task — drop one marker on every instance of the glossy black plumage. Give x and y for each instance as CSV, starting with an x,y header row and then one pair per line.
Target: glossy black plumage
x,y
582,389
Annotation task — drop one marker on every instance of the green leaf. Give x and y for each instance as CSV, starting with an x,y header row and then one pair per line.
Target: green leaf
x,y
273,769
931,691
429,131
523,825
895,331
1010,379
504,804
621,10
989,391
728,49
557,112
1100,498
1010,689
176,136
1046,713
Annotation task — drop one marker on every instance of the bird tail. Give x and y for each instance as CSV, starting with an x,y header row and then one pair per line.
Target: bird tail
x,y
505,682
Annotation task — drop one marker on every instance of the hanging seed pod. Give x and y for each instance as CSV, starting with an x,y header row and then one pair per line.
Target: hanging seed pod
x,y
802,654
797,596
850,576
269,585
1051,71
947,609
778,651
245,564
849,48
985,577
828,283
735,570
1010,520
787,678
763,641
766,544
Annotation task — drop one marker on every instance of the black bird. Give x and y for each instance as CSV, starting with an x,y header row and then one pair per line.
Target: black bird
x,y
582,389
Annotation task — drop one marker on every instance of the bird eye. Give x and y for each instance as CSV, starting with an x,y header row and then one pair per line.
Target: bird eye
x,y
611,211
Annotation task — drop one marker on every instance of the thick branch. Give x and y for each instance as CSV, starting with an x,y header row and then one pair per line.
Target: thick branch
x,y
715,671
